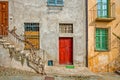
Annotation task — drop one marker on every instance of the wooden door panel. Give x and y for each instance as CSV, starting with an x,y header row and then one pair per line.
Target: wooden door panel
x,y
5,6
69,51
61,51
62,58
0,6
0,17
65,51
3,18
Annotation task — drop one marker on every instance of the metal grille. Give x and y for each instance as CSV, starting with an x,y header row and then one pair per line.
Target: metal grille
x,y
31,26
66,28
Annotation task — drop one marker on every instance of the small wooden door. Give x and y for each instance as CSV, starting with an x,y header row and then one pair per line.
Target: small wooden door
x,y
66,50
3,18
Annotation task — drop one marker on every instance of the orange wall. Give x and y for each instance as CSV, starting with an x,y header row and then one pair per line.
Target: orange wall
x,y
103,61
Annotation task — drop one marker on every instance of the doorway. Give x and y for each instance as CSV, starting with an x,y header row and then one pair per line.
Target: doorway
x,y
65,50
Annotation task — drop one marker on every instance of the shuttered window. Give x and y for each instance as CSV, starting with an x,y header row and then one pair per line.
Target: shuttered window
x,y
55,2
101,39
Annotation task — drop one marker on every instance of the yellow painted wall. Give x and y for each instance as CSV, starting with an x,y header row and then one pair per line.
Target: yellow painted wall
x,y
103,61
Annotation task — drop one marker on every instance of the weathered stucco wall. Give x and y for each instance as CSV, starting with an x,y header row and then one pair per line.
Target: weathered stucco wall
x,y
21,11
104,61
6,61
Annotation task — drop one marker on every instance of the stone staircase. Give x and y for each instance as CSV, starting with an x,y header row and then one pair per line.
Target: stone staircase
x,y
29,57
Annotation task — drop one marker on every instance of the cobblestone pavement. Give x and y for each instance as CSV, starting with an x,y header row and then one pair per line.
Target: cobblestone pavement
x,y
15,74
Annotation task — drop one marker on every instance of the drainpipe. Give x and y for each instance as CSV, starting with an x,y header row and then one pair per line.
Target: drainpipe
x,y
86,8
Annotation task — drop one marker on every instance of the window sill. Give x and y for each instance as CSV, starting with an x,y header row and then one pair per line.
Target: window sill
x,y
105,19
102,50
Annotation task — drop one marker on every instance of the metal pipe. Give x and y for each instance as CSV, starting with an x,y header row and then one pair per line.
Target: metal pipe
x,y
86,3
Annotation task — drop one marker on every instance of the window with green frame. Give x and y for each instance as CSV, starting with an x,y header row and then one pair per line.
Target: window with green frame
x,y
101,39
102,8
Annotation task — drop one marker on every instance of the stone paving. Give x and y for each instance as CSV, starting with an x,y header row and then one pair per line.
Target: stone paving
x,y
56,73
110,76
63,71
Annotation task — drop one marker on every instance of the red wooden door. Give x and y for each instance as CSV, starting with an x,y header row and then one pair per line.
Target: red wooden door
x,y
65,50
3,17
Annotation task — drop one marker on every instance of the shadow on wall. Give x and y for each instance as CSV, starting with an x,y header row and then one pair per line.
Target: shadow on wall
x,y
100,62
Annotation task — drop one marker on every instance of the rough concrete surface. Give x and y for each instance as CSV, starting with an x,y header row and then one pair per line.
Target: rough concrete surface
x,y
15,74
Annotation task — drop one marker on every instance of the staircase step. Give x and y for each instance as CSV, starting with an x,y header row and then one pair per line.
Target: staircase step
x,y
17,49
118,72
1,36
2,40
11,46
27,54
6,43
22,52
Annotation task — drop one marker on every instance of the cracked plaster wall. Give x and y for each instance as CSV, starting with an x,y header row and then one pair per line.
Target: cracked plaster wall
x,y
73,11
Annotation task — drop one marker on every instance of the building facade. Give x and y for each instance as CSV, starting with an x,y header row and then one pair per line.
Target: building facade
x,y
56,26
103,33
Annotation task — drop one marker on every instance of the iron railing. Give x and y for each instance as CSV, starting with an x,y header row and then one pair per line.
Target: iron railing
x,y
34,59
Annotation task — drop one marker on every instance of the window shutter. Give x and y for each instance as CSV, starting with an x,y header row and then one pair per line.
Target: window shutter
x,y
101,39
97,39
105,39
51,2
59,1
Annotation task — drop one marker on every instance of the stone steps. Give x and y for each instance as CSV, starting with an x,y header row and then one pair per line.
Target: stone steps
x,y
9,45
33,61
118,72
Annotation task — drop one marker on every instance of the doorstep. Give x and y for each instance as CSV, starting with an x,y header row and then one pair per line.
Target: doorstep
x,y
63,71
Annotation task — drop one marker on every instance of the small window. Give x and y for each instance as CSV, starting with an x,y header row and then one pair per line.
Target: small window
x,y
102,8
31,35
66,28
55,2
31,26
101,39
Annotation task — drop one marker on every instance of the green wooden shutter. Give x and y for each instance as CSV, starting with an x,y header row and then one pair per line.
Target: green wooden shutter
x,y
104,39
101,39
97,39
